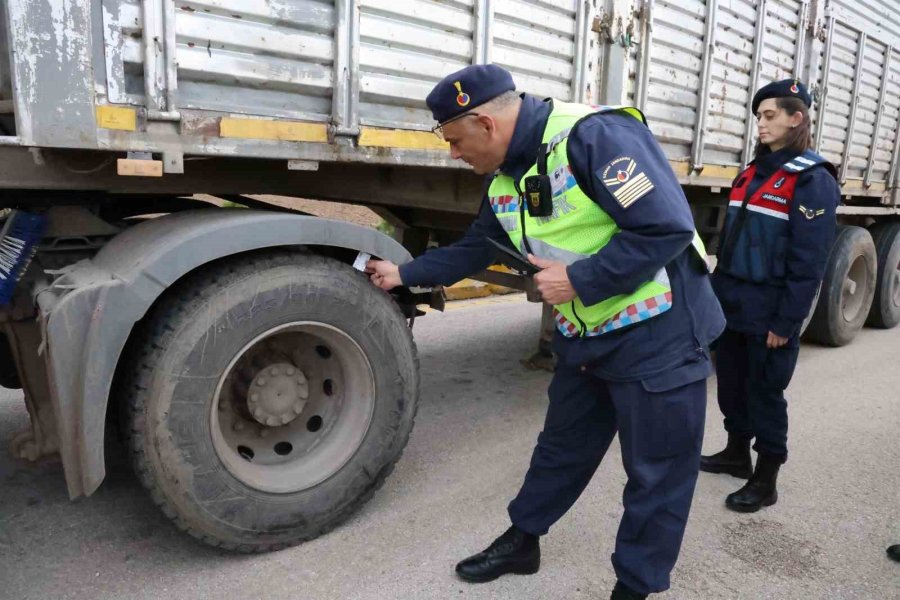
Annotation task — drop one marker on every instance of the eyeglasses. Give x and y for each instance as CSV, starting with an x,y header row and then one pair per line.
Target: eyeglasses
x,y
438,129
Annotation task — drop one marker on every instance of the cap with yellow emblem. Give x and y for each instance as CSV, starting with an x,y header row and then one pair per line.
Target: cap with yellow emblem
x,y
460,92
786,88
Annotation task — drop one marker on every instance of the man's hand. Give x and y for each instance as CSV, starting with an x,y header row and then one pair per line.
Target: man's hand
x,y
775,341
553,281
384,274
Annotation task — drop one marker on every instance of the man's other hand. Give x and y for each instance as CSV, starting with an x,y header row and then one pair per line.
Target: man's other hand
x,y
553,281
775,341
384,274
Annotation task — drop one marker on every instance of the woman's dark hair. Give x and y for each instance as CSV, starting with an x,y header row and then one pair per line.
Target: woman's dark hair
x,y
799,139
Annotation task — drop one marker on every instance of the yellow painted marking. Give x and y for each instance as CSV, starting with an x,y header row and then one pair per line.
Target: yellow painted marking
x,y
116,117
401,138
517,298
130,167
263,129
683,169
720,172
859,184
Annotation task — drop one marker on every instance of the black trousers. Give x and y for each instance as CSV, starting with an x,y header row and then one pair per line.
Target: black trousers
x,y
751,383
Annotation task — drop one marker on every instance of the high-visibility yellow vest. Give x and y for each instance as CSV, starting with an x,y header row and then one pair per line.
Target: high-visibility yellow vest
x,y
577,229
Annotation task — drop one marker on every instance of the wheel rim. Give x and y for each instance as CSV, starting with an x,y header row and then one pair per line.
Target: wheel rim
x,y
854,291
293,407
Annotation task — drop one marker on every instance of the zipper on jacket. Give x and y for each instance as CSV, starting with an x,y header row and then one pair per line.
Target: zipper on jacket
x,y
522,216
580,322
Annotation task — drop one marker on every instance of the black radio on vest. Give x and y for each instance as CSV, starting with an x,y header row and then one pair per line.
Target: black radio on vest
x,y
538,191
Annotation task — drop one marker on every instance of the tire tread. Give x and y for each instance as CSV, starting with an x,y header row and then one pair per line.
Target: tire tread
x,y
154,336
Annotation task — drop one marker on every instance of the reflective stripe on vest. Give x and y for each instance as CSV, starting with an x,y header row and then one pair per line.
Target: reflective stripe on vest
x,y
772,198
577,229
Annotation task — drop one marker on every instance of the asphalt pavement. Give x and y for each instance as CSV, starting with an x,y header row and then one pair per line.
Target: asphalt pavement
x,y
479,415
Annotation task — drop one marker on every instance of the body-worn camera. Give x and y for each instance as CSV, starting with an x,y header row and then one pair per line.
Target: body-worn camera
x,y
538,191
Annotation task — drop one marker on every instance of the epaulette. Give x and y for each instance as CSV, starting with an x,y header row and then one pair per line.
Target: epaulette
x,y
807,160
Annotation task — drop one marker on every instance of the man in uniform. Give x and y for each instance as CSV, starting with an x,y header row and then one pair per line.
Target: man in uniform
x,y
611,231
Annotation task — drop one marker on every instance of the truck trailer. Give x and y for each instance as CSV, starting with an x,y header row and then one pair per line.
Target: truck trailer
x,y
263,388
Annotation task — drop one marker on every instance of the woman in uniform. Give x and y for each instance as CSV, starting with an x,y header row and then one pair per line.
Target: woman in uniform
x,y
772,255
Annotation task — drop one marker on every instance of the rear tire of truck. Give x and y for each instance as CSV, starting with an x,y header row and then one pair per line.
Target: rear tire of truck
x,y
885,311
269,396
847,289
812,311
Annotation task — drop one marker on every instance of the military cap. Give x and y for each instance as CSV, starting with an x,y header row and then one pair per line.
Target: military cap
x,y
463,90
786,88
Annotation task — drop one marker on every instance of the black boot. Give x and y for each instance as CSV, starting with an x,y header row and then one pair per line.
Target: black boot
x,y
734,459
760,490
623,592
513,552
893,552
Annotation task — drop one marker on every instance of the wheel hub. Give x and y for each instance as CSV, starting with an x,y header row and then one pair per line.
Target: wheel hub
x,y
283,420
854,289
278,394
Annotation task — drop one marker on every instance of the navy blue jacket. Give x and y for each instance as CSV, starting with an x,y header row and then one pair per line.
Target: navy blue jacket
x,y
773,267
656,231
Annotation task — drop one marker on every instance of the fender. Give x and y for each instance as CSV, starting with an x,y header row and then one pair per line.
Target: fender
x,y
88,313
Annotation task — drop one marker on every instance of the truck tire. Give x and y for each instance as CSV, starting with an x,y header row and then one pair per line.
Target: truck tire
x,y
847,289
812,310
885,311
269,396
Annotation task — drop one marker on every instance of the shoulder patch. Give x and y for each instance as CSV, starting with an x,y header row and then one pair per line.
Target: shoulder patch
x,y
626,181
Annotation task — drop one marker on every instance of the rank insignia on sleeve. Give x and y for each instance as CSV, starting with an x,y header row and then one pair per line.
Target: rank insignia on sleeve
x,y
625,182
810,213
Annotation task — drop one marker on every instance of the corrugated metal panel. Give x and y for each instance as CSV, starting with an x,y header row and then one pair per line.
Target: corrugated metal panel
x,y
889,128
536,41
868,154
677,83
835,119
405,48
780,54
674,73
880,18
730,84
264,58
869,89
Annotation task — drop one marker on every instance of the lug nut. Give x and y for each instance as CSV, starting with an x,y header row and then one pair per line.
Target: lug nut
x,y
274,371
289,371
272,421
261,381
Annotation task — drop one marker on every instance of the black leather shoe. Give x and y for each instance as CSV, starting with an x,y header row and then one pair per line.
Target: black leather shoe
x,y
513,552
623,592
893,552
761,489
733,460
